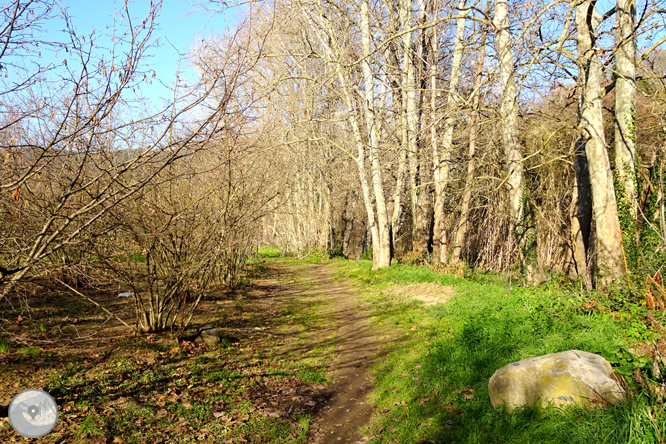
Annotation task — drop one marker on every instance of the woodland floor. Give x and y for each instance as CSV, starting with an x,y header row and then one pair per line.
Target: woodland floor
x,y
295,367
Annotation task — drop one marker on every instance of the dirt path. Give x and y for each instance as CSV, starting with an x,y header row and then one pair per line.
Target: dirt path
x,y
356,348
347,341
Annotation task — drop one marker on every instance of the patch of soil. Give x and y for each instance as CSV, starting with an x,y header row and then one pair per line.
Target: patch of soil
x,y
289,399
429,293
356,349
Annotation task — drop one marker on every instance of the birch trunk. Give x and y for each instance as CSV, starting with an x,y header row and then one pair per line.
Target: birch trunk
x,y
608,235
461,231
410,110
434,143
397,80
442,162
424,204
509,115
382,249
625,100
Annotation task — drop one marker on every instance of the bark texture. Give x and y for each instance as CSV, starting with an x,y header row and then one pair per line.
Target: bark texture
x,y
461,230
608,234
625,100
442,161
509,113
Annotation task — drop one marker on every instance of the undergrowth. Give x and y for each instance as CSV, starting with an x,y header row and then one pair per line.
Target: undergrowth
x,y
432,386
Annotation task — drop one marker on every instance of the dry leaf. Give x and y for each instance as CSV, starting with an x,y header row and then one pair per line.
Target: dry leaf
x,y
16,194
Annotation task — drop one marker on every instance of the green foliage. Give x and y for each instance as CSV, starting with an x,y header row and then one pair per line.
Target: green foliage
x,y
317,256
626,365
4,345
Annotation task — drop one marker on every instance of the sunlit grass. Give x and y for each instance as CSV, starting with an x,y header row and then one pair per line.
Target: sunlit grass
x,y
432,384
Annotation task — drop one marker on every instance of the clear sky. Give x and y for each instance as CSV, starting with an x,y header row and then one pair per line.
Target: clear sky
x,y
179,22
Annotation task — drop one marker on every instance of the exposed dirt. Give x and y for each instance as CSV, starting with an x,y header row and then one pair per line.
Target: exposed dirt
x,y
429,293
356,348
346,339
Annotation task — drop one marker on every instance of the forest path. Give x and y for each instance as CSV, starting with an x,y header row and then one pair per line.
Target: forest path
x,y
346,324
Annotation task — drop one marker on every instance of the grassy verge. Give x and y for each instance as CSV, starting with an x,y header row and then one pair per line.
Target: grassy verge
x,y
432,384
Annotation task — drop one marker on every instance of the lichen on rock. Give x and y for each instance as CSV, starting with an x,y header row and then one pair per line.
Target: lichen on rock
x,y
572,377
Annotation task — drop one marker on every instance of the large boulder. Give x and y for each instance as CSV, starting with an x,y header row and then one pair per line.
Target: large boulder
x,y
572,377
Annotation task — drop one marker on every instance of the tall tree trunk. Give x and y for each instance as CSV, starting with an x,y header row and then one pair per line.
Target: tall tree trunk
x,y
608,235
410,110
625,100
461,231
438,222
581,220
442,162
397,78
383,248
509,115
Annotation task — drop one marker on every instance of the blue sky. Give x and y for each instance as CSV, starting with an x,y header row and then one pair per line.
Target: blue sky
x,y
179,22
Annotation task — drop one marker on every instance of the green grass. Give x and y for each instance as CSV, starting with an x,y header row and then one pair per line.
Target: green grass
x,y
30,351
266,251
432,385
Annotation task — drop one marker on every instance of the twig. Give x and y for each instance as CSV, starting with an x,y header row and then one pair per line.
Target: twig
x,y
654,424
90,300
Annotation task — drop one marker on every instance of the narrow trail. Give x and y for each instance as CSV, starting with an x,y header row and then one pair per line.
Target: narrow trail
x,y
356,349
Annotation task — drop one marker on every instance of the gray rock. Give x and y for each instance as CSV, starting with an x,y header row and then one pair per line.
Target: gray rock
x,y
208,335
568,378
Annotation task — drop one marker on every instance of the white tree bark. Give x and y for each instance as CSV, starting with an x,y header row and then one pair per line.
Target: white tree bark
x,y
442,162
461,230
377,222
410,110
509,113
608,235
382,248
625,100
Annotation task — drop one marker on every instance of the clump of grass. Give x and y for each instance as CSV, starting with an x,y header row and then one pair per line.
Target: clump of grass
x,y
90,427
30,351
4,346
432,381
266,251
